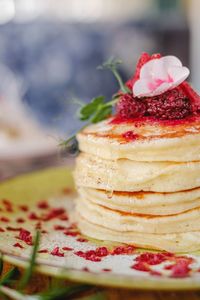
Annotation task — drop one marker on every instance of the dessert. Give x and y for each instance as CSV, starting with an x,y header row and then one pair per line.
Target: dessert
x,y
138,173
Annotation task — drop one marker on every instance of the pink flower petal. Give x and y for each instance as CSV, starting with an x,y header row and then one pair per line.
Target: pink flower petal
x,y
161,89
141,88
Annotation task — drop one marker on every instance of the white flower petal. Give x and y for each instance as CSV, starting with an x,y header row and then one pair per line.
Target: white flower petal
x,y
178,74
146,70
159,71
171,60
159,75
141,88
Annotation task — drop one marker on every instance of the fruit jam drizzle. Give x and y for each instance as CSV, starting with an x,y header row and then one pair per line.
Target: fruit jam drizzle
x,y
61,239
173,107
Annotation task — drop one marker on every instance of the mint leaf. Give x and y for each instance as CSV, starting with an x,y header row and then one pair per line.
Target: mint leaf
x,y
90,108
101,114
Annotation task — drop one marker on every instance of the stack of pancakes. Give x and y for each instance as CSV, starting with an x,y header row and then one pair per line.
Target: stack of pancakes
x,y
144,191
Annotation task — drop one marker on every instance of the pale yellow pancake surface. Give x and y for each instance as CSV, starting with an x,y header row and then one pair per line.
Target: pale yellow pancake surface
x,y
116,220
126,175
165,141
143,202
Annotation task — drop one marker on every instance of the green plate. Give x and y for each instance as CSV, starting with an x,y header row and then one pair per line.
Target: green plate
x,y
44,200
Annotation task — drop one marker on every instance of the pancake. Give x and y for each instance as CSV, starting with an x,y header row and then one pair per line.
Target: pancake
x,y
173,242
177,141
144,202
121,221
126,175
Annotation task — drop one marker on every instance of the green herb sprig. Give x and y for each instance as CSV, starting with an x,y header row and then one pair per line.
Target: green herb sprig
x,y
112,65
29,271
98,109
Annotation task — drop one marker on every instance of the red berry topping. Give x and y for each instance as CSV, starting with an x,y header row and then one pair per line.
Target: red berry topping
x,y
171,105
130,136
192,95
129,107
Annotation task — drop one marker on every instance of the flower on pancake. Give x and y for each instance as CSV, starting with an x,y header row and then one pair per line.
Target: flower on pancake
x,y
159,75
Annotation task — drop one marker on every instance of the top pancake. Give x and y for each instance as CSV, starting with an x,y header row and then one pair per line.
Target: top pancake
x,y
177,141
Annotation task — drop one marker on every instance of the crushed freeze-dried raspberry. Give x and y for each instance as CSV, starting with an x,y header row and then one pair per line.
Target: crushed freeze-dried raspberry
x,y
20,220
85,269
7,202
43,251
64,218
121,250
82,240
33,216
4,219
53,213
89,255
38,225
180,266
43,204
67,249
2,230
18,245
102,251
106,270
80,253
56,252
151,258
25,235
171,105
192,95
180,270
59,227
23,207
8,205
93,255
71,233
66,191
155,273
9,228
129,107
141,266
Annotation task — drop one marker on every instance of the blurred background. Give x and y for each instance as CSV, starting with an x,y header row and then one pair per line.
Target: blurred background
x,y
49,51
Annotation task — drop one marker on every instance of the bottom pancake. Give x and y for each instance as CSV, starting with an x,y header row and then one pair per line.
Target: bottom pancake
x,y
174,242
